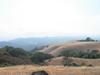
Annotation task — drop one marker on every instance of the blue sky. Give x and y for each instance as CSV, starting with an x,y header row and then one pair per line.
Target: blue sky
x,y
29,18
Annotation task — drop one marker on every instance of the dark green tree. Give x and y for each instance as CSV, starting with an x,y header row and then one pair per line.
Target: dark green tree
x,y
39,57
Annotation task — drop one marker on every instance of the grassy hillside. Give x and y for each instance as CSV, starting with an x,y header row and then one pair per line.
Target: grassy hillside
x,y
51,70
75,61
13,56
17,56
89,50
76,45
62,65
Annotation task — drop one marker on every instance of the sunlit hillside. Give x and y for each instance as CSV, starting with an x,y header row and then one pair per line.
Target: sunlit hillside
x,y
75,45
51,70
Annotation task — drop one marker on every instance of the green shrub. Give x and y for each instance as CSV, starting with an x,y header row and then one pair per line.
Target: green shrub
x,y
39,57
92,54
16,52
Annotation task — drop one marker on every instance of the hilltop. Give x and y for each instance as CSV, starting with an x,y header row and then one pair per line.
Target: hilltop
x,y
76,45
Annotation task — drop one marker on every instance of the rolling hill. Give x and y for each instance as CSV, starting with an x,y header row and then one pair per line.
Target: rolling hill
x,y
13,56
75,45
79,61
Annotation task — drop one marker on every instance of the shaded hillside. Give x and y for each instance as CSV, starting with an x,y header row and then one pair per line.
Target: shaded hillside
x,y
76,45
18,56
13,56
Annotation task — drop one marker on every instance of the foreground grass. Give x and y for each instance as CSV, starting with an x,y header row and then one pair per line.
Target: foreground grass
x,y
52,70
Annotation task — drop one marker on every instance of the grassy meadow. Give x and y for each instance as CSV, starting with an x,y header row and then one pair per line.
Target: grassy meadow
x,y
51,70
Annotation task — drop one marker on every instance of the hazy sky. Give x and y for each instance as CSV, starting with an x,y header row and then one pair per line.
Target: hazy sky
x,y
20,18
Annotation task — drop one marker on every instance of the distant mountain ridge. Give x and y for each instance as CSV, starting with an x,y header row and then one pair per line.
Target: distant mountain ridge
x,y
31,43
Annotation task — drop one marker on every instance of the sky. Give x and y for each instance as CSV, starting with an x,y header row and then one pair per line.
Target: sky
x,y
30,18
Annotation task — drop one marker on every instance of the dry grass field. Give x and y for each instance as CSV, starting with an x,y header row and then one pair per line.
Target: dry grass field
x,y
75,45
81,61
51,70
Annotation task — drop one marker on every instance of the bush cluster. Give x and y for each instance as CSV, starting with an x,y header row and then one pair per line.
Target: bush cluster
x,y
89,54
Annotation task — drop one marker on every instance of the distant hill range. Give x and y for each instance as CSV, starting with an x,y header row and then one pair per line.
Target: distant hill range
x,y
36,43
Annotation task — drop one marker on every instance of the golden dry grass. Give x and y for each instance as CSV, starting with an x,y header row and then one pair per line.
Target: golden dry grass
x,y
83,46
81,61
52,70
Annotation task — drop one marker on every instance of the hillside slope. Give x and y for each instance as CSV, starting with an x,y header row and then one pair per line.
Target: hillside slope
x,y
13,56
79,61
51,70
76,45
